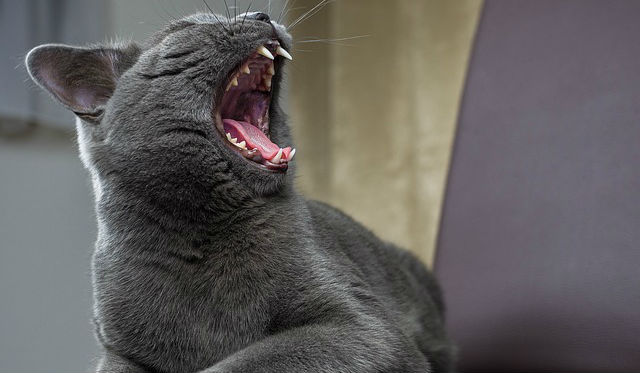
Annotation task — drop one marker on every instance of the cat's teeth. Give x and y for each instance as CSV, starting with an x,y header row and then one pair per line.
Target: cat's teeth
x,y
233,83
293,152
265,52
272,70
277,158
242,144
282,52
234,140
246,70
228,136
267,81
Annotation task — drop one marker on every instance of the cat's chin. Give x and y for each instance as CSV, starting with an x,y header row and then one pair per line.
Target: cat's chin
x,y
243,114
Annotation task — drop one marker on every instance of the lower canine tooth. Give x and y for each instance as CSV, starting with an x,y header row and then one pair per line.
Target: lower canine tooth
x,y
234,82
277,158
246,70
271,70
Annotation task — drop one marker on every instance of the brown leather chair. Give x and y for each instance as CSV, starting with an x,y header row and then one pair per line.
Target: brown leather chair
x,y
539,248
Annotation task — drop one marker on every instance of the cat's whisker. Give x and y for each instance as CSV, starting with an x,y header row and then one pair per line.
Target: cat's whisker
x,y
228,14
293,9
309,13
227,9
245,15
216,16
331,39
282,11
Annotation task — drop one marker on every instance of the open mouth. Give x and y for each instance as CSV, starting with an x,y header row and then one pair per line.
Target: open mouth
x,y
243,113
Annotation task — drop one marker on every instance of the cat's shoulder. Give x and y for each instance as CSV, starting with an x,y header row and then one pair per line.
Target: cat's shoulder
x,y
321,210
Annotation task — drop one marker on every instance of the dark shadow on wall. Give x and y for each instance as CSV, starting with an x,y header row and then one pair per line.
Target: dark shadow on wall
x,y
539,248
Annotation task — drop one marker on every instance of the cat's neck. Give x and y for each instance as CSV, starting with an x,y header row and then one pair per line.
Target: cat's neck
x,y
131,223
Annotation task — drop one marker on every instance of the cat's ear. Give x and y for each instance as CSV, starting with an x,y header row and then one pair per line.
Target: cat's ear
x,y
82,79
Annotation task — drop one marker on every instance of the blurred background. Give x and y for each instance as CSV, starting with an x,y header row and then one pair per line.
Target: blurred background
x,y
497,140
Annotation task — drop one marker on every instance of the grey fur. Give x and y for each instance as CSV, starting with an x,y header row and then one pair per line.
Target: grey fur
x,y
206,263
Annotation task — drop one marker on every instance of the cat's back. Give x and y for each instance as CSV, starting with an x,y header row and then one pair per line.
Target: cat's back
x,y
397,278
389,270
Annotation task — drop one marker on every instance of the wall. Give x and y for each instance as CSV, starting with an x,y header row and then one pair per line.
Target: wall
x,y
375,116
47,229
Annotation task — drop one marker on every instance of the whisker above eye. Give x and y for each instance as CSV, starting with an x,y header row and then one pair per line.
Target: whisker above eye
x,y
216,16
309,13
228,14
282,11
245,15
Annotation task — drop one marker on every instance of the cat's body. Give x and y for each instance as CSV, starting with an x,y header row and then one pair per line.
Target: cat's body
x,y
205,262
320,272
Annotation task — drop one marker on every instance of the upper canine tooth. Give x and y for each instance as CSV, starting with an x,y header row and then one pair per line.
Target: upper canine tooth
x,y
271,70
277,158
265,52
246,70
293,152
282,52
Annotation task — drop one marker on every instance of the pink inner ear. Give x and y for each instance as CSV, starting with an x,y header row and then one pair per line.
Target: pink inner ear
x,y
90,98
81,79
78,97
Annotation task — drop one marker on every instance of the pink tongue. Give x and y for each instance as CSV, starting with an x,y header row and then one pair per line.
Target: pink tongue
x,y
254,138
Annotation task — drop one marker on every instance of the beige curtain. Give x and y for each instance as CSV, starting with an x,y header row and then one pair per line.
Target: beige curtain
x,y
374,117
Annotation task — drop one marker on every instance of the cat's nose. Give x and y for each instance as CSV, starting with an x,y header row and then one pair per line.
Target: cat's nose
x,y
257,16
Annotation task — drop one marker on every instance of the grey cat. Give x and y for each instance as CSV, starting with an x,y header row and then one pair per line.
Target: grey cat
x,y
207,259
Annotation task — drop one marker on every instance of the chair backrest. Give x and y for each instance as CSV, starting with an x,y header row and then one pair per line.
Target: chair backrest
x,y
539,247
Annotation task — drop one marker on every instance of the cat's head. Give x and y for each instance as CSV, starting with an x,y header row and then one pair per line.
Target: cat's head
x,y
191,114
